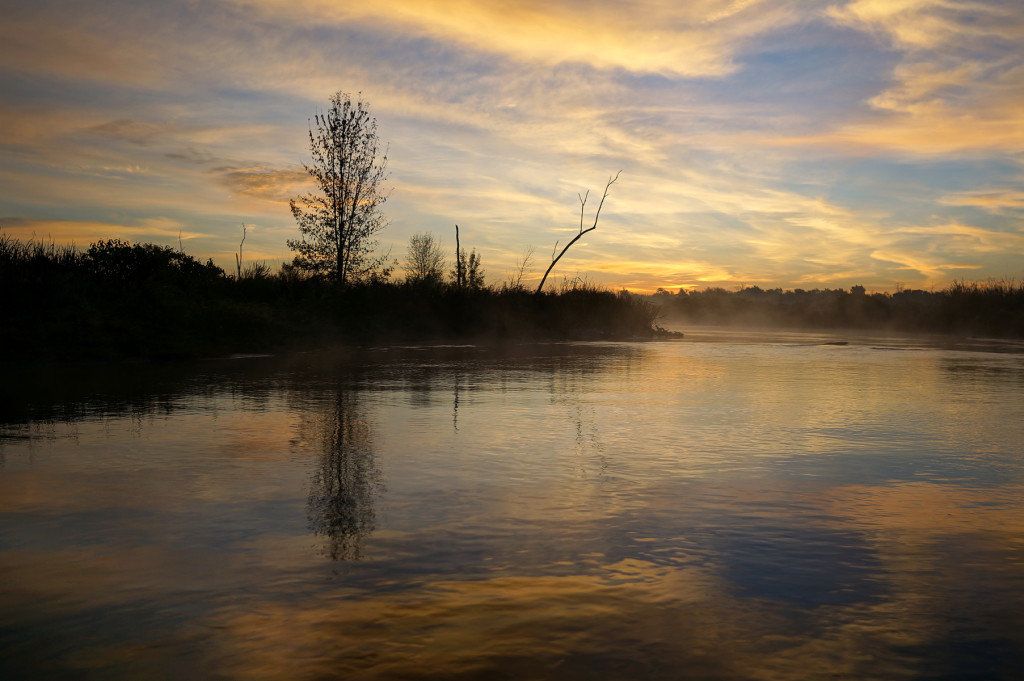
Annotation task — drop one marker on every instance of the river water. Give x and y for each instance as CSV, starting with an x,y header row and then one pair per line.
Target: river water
x,y
733,505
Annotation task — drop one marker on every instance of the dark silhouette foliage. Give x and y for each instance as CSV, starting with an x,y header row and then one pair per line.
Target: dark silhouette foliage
x,y
337,221
118,300
467,273
993,309
119,262
424,260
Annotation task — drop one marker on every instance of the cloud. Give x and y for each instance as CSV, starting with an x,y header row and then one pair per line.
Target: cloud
x,y
82,232
957,89
695,39
931,24
935,251
734,122
997,201
27,45
959,238
270,184
126,129
933,109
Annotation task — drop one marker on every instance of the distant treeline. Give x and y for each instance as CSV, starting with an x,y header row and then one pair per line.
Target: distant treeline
x,y
993,309
121,300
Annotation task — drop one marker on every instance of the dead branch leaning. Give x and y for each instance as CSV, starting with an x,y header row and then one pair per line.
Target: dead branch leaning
x,y
583,203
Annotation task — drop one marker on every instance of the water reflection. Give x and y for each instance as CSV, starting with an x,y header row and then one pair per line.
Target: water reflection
x,y
347,478
455,400
664,511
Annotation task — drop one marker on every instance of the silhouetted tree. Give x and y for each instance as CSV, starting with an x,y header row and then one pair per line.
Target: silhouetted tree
x,y
469,266
583,203
338,221
467,273
424,260
515,277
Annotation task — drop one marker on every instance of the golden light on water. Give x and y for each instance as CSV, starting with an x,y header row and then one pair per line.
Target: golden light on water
x,y
729,506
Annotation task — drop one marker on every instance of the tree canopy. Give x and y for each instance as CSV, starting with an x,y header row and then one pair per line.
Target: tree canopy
x,y
424,260
338,220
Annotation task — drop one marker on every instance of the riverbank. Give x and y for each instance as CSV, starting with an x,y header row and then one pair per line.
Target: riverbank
x,y
986,309
129,301
116,301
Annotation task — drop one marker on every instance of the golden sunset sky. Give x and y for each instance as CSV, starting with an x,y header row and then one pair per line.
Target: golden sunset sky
x,y
791,144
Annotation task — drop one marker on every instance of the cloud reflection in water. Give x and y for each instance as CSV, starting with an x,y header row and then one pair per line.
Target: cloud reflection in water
x,y
662,511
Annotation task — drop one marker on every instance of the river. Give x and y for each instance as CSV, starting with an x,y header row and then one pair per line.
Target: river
x,y
731,505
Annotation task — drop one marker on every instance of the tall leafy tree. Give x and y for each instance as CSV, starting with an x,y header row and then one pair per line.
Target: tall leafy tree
x,y
337,221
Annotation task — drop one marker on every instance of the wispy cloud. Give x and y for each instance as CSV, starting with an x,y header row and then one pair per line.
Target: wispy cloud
x,y
933,24
691,39
959,83
82,233
998,201
761,141
271,184
965,239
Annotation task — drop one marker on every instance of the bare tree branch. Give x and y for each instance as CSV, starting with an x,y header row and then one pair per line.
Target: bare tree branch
x,y
583,203
238,256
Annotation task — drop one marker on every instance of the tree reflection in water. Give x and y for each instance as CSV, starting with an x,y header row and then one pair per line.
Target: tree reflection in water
x,y
343,486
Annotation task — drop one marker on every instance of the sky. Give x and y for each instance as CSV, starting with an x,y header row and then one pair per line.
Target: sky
x,y
797,144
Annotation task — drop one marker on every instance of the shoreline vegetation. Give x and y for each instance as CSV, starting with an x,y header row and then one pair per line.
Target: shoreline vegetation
x,y
117,300
967,309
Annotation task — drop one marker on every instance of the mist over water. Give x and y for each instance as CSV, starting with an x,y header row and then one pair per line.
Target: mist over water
x,y
732,505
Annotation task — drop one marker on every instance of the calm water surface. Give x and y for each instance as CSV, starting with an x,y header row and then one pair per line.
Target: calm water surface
x,y
730,506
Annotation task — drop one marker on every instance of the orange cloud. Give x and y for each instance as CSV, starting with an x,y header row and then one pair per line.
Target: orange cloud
x,y
83,232
971,239
991,200
691,39
927,24
270,184
958,89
